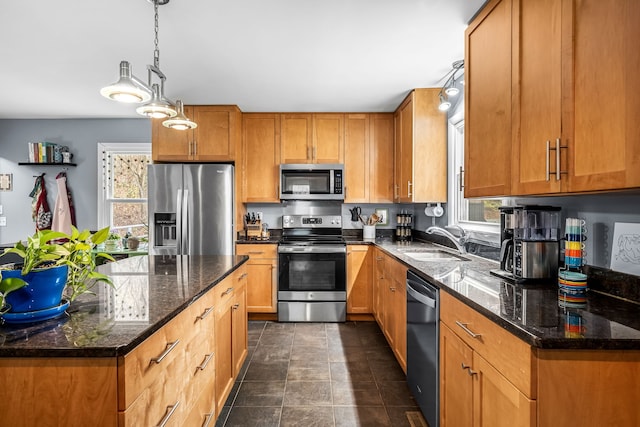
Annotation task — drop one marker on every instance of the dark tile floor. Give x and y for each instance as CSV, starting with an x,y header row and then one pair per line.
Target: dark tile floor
x,y
319,374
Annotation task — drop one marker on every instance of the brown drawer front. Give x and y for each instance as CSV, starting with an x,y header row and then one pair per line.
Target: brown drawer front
x,y
225,290
140,368
511,356
257,251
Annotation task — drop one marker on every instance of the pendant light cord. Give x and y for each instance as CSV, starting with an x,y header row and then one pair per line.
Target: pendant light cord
x,y
156,50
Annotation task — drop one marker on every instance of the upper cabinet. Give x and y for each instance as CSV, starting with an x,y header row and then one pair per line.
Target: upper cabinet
x,y
261,137
560,88
420,149
487,151
214,140
312,138
368,150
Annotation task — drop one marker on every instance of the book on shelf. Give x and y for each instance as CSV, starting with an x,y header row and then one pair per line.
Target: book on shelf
x,y
44,152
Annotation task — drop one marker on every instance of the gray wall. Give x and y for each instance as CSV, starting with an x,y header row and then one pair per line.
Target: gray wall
x,y
82,137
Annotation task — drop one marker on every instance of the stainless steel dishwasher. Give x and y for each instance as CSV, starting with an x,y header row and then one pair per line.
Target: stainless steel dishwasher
x,y
423,313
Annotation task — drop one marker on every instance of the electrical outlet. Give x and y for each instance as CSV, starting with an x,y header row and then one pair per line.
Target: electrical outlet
x,y
3,221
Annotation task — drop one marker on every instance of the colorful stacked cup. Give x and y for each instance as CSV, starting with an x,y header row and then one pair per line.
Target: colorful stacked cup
x,y
574,326
574,246
572,290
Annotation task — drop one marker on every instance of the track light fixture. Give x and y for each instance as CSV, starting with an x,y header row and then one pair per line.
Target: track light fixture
x,y
449,89
131,89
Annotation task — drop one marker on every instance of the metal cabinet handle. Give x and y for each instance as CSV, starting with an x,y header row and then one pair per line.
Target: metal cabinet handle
x,y
205,313
242,276
207,420
547,152
558,171
471,372
461,183
170,346
205,362
465,366
392,289
409,185
195,147
236,306
315,152
378,258
467,330
227,292
255,252
170,410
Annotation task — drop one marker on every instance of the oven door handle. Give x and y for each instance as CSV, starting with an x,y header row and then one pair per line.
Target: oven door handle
x,y
324,249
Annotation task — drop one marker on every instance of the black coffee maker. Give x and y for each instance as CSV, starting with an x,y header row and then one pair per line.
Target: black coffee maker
x,y
507,224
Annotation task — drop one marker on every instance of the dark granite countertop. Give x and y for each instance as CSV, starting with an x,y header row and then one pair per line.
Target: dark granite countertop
x,y
148,291
531,312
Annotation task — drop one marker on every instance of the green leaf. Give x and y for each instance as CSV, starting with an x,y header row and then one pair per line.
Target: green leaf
x,y
100,236
11,284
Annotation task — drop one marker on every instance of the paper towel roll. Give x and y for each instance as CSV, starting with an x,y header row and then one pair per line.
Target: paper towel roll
x,y
434,211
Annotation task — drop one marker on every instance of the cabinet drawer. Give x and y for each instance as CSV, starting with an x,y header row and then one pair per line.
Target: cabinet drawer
x,y
203,412
140,368
257,250
511,356
225,290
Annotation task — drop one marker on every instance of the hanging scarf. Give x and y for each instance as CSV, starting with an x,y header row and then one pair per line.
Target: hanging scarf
x,y
63,212
40,212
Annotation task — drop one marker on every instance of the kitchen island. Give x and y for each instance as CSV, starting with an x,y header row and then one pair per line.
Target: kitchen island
x,y
165,342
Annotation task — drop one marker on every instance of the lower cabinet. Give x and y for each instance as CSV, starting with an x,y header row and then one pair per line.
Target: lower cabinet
x,y
262,280
390,302
231,333
359,284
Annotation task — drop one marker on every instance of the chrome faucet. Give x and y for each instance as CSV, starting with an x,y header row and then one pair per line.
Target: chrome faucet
x,y
458,241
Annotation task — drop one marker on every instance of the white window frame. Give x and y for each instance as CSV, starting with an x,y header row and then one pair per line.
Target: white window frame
x,y
104,202
481,232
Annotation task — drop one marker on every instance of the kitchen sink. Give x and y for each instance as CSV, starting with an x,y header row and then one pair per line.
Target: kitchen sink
x,y
434,255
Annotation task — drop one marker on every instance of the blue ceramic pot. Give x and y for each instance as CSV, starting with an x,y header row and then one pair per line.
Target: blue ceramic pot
x,y
43,290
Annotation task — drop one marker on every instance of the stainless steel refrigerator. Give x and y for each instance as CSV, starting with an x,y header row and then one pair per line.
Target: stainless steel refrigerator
x,y
191,209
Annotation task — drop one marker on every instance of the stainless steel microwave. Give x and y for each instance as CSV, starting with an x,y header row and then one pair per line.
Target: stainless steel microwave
x,y
311,182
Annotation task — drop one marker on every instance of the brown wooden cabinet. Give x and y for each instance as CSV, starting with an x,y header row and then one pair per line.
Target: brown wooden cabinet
x,y
262,279
543,103
483,368
390,303
312,138
359,284
420,149
261,140
368,151
488,131
214,140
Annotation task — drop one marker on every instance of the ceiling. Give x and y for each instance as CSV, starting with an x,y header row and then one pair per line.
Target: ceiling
x,y
262,55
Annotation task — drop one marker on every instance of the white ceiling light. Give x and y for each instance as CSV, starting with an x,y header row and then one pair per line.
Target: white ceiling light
x,y
449,88
131,89
180,121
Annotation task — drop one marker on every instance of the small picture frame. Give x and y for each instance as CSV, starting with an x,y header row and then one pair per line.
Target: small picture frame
x,y
384,214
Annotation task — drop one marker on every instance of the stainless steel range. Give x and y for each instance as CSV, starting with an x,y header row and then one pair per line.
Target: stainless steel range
x,y
312,258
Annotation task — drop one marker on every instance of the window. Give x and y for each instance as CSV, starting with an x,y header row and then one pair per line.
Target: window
x,y
122,201
479,216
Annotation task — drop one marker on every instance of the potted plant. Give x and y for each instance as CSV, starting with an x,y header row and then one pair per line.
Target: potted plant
x,y
8,285
54,263
112,241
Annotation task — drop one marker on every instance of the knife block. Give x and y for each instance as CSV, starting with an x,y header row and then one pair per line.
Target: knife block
x,y
254,230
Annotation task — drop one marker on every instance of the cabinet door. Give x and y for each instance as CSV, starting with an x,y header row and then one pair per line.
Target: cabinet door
x,y
601,122
488,102
405,152
399,312
497,402
380,158
261,134
224,354
239,326
359,287
328,138
217,134
537,99
170,145
456,385
295,138
261,277
356,158
378,286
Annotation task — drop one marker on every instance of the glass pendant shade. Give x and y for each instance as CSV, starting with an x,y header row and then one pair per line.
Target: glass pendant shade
x,y
159,107
128,89
180,121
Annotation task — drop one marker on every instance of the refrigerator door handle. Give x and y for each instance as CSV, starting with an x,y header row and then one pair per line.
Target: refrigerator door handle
x,y
184,232
179,222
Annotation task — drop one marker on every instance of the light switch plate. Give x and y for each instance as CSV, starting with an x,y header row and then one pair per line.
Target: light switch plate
x,y
3,221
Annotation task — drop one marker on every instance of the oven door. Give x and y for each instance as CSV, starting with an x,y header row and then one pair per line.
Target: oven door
x,y
307,273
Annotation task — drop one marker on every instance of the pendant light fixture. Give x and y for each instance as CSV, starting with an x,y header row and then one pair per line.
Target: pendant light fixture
x,y
449,89
131,89
180,121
